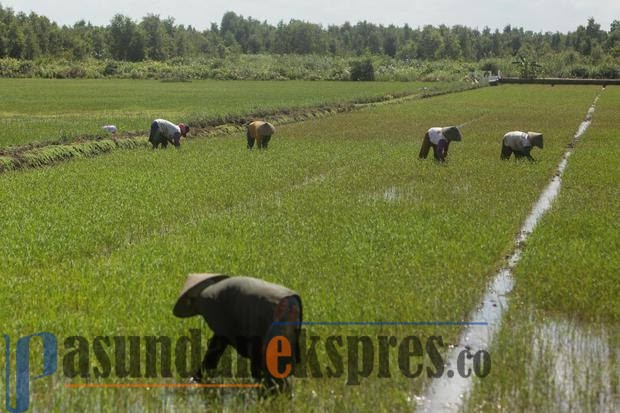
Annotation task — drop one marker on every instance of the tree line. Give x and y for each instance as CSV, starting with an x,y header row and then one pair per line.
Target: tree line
x,y
31,36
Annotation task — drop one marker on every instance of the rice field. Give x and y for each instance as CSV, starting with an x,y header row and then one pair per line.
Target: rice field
x,y
42,110
567,320
339,209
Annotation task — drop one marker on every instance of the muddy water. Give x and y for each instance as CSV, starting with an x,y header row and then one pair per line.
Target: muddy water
x,y
448,394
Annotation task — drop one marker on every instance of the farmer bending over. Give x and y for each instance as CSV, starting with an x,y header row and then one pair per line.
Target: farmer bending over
x,y
521,144
259,132
164,132
439,139
242,311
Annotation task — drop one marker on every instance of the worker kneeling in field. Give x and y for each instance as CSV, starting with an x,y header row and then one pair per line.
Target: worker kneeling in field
x,y
259,132
247,314
521,144
439,139
164,132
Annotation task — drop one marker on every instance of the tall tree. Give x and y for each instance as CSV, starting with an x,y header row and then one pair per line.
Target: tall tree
x,y
127,40
154,37
16,41
430,43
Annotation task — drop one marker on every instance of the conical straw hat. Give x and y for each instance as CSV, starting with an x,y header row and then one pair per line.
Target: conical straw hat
x,y
182,307
452,133
536,138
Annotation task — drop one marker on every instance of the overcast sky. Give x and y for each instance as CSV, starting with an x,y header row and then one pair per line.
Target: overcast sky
x,y
536,15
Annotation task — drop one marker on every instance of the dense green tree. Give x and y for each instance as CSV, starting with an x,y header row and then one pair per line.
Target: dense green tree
x,y
430,43
3,39
32,36
612,45
181,43
31,45
120,32
390,42
408,51
127,40
16,41
450,47
98,40
154,37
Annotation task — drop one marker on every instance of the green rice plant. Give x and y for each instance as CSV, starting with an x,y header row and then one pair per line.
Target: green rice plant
x,y
557,349
41,110
7,163
582,236
339,209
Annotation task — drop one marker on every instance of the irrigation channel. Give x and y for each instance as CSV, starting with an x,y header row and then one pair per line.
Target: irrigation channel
x,y
449,394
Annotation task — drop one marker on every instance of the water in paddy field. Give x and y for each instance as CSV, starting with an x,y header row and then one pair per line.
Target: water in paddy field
x,y
391,194
577,358
447,394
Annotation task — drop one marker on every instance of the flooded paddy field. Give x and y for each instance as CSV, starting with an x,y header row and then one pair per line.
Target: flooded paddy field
x,y
341,210
560,341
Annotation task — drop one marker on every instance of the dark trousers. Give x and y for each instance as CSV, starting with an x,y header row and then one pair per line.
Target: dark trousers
x,y
286,323
507,151
249,347
262,144
440,151
157,138
263,141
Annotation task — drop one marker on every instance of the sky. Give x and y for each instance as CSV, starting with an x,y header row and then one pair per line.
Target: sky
x,y
536,15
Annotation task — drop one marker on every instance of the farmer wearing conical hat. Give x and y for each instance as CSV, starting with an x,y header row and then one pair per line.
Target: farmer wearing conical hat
x,y
259,132
439,139
245,313
164,132
521,144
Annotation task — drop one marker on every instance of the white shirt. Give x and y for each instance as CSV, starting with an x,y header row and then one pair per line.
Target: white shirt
x,y
168,129
517,140
435,135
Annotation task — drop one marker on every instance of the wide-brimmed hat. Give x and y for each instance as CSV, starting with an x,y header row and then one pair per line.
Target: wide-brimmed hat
x,y
452,133
183,308
536,138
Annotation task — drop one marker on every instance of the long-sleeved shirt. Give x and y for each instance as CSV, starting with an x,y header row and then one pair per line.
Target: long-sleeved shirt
x,y
435,135
238,309
168,129
517,141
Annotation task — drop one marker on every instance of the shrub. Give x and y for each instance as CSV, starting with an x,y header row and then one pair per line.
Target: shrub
x,y
579,71
75,72
607,72
25,67
110,69
490,66
362,70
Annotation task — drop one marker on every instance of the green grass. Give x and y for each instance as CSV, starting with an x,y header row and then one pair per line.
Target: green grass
x,y
38,110
339,209
562,330
573,258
